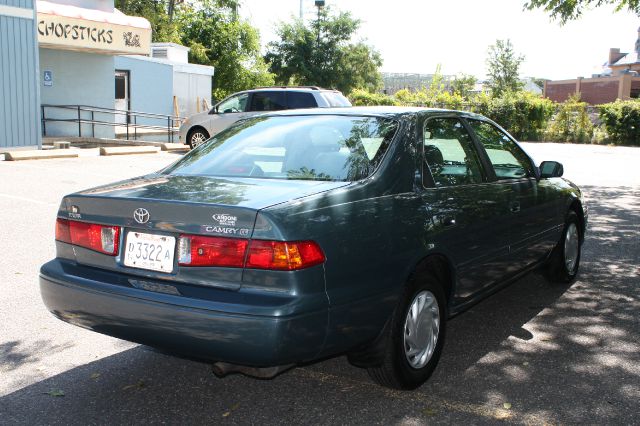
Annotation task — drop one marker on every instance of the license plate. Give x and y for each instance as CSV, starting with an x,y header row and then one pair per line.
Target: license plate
x,y
149,251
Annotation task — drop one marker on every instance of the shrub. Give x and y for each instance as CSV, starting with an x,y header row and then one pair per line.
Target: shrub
x,y
571,122
360,97
621,120
405,97
523,114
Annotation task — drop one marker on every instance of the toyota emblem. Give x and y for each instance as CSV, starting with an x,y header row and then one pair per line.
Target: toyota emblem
x,y
141,215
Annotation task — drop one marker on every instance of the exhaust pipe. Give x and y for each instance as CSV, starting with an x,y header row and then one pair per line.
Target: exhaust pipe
x,y
222,369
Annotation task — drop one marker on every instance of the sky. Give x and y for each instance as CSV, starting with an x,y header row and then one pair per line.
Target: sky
x,y
415,36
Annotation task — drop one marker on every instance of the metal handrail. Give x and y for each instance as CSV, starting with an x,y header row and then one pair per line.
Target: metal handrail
x,y
171,127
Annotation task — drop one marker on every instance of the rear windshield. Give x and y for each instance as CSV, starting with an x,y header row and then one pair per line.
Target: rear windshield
x,y
336,99
313,147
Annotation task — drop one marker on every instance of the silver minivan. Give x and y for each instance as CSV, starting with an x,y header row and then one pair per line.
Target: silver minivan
x,y
200,127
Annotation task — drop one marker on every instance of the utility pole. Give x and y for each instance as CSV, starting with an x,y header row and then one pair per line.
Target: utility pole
x,y
319,5
301,10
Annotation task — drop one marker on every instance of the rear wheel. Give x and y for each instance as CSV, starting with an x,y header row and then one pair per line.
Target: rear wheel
x,y
415,335
197,136
565,258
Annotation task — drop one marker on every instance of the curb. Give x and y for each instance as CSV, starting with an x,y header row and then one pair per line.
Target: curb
x,y
175,147
120,150
39,154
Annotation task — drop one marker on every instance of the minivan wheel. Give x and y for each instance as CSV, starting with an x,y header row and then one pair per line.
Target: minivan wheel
x,y
197,136
565,258
416,335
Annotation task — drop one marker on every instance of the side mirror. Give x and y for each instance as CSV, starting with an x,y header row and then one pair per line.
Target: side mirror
x,y
551,169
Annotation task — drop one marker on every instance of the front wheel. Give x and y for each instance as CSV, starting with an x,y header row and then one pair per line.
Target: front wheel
x,y
416,335
565,258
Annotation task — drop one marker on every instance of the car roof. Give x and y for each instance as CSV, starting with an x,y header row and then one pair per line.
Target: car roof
x,y
377,111
290,88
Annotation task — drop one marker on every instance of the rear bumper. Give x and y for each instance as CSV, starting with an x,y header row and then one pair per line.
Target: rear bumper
x,y
205,329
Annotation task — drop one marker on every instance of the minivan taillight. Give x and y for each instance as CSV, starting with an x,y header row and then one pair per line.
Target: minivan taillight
x,y
199,250
102,238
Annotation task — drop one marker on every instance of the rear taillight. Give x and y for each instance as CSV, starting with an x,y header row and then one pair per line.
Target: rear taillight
x,y
198,250
62,231
101,238
285,256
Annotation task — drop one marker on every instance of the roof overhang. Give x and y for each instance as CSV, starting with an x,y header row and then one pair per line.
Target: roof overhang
x,y
75,28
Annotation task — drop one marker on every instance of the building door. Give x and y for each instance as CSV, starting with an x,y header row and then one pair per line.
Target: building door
x,y
122,95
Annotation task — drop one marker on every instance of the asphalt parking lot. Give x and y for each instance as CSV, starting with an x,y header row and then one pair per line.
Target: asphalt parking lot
x,y
534,353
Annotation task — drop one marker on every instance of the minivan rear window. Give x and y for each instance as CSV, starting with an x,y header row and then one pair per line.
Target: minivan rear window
x,y
336,99
311,147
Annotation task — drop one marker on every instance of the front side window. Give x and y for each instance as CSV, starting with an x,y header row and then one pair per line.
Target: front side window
x,y
268,101
234,104
449,153
506,157
316,147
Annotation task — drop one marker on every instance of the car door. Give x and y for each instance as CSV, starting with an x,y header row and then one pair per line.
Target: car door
x,y
228,112
532,203
467,211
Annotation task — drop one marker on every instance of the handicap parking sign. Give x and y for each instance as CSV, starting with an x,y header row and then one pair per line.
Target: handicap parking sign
x,y
48,78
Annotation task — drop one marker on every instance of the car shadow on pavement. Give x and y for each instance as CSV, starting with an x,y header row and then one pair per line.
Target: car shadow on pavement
x,y
14,354
534,353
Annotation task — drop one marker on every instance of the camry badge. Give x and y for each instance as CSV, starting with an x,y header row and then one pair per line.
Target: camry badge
x,y
141,215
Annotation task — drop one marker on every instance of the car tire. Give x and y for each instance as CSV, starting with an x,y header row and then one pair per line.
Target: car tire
x,y
564,261
408,363
197,136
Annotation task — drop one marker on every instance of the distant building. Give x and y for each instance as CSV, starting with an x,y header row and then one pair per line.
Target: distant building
x,y
395,81
619,78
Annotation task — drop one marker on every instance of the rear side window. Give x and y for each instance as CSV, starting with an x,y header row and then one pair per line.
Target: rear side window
x,y
296,100
268,101
506,157
449,153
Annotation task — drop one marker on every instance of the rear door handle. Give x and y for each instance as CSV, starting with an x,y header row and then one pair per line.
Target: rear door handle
x,y
514,207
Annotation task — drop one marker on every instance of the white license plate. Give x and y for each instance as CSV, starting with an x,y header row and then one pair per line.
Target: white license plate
x,y
149,251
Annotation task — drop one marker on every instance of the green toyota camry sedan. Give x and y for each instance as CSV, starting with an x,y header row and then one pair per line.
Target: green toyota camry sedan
x,y
299,235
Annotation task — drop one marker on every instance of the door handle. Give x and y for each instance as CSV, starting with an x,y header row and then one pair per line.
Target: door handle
x,y
514,207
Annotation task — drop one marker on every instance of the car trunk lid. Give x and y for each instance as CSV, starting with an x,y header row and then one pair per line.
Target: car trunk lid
x,y
168,206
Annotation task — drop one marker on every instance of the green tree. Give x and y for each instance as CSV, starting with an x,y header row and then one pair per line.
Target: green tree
x,y
163,28
215,34
572,9
463,85
571,123
503,68
321,54
217,37
437,83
